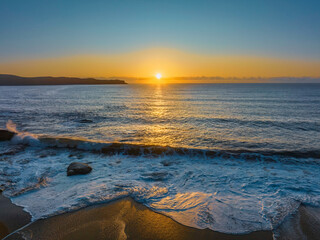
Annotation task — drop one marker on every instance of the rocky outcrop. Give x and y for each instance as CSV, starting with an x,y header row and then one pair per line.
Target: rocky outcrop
x,y
77,168
5,135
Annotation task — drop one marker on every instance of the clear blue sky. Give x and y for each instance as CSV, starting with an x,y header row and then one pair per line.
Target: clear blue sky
x,y
46,28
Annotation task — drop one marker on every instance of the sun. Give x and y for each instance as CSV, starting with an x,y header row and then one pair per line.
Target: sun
x,y
158,76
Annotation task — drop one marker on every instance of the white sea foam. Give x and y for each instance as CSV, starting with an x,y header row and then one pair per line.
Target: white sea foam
x,y
21,137
231,196
11,126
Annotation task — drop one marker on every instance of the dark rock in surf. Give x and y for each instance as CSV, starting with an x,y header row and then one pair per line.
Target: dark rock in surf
x,y
6,135
85,121
77,168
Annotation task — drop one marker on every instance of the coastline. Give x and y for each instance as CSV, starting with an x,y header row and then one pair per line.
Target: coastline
x,y
12,80
127,219
119,219
12,217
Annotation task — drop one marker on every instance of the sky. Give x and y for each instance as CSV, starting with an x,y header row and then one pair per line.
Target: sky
x,y
137,39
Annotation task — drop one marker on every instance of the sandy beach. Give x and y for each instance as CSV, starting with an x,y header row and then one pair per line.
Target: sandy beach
x,y
127,219
12,217
121,219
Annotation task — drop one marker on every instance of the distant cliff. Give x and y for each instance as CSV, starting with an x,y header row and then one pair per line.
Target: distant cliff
x,y
9,80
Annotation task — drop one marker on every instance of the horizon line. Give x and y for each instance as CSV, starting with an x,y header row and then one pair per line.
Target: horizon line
x,y
196,79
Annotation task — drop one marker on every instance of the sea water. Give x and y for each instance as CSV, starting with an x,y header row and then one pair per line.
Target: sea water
x,y
234,158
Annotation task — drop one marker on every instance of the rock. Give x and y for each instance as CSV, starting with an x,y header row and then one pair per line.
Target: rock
x,y
85,121
76,168
5,135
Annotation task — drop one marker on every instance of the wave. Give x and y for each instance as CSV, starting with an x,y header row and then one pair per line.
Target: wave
x,y
224,190
111,148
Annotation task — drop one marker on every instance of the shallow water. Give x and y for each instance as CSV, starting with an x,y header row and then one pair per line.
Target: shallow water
x,y
234,158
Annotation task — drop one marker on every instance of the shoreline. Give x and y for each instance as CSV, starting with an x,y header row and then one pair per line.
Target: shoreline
x,y
13,80
127,219
120,219
12,217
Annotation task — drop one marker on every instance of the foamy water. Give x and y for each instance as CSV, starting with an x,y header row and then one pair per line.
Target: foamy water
x,y
254,185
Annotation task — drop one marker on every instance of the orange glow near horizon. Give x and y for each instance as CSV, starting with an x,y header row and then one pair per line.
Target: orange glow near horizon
x,y
140,66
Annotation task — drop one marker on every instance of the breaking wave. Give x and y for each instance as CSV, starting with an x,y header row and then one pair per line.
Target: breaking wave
x,y
224,190
154,150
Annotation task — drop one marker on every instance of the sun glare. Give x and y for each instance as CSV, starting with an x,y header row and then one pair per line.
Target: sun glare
x,y
158,76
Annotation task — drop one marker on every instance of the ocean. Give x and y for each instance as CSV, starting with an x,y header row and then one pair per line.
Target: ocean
x,y
234,158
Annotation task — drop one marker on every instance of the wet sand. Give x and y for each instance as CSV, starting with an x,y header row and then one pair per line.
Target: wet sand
x,y
12,217
304,224
127,219
121,219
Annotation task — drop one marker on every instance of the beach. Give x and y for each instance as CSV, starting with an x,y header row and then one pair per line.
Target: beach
x,y
160,120
121,219
12,217
127,219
